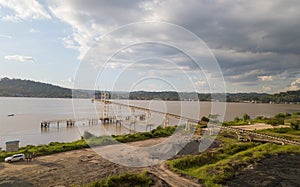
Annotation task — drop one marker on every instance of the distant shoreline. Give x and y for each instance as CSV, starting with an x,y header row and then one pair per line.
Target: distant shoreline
x,y
242,102
32,89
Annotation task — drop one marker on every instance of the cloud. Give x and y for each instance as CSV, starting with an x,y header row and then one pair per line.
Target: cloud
x,y
10,18
68,82
295,85
5,36
70,79
20,58
33,30
266,88
243,26
253,41
23,10
200,83
265,78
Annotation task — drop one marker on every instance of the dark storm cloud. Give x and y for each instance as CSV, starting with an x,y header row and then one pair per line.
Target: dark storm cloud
x,y
265,34
249,38
255,26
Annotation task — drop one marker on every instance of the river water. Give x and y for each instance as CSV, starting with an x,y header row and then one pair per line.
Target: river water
x,y
29,112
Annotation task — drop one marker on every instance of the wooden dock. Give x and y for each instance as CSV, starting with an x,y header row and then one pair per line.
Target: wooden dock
x,y
72,122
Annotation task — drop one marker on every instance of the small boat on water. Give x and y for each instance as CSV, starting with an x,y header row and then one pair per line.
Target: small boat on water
x,y
10,115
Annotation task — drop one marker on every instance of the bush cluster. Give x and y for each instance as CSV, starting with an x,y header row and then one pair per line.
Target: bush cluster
x,y
126,180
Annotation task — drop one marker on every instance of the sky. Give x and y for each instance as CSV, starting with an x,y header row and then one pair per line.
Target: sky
x,y
193,45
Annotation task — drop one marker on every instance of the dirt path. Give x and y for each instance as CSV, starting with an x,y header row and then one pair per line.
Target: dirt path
x,y
259,126
173,179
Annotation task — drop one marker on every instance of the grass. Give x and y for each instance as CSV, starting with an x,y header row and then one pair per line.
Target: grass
x,y
287,133
51,148
214,168
91,141
278,119
227,137
126,180
210,157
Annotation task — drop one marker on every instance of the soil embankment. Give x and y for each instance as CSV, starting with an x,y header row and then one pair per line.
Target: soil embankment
x,y
279,170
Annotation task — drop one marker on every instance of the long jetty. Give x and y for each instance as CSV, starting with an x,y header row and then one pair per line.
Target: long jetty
x,y
112,119
192,120
196,121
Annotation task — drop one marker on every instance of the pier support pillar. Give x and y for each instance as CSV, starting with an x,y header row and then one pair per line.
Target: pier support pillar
x,y
118,122
132,118
148,115
148,126
187,126
104,98
166,121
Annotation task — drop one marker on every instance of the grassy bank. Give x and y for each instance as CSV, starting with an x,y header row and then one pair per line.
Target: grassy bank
x,y
90,141
278,119
125,179
213,168
287,133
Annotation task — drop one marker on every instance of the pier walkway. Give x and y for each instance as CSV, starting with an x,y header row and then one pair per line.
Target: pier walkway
x,y
105,119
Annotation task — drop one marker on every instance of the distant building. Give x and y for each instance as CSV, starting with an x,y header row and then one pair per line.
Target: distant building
x,y
12,146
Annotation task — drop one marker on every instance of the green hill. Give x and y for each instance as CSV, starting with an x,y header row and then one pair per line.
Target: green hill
x,y
28,88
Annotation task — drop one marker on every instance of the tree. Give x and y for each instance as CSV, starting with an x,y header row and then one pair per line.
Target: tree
x,y
259,117
288,114
280,115
246,117
205,119
236,119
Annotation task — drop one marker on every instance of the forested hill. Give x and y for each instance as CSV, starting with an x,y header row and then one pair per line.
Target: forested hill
x,y
27,88
282,97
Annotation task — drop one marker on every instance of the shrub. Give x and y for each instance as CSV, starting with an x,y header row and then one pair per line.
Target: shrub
x,y
259,118
205,119
281,130
280,115
236,119
275,121
126,180
246,117
288,114
296,113
295,124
